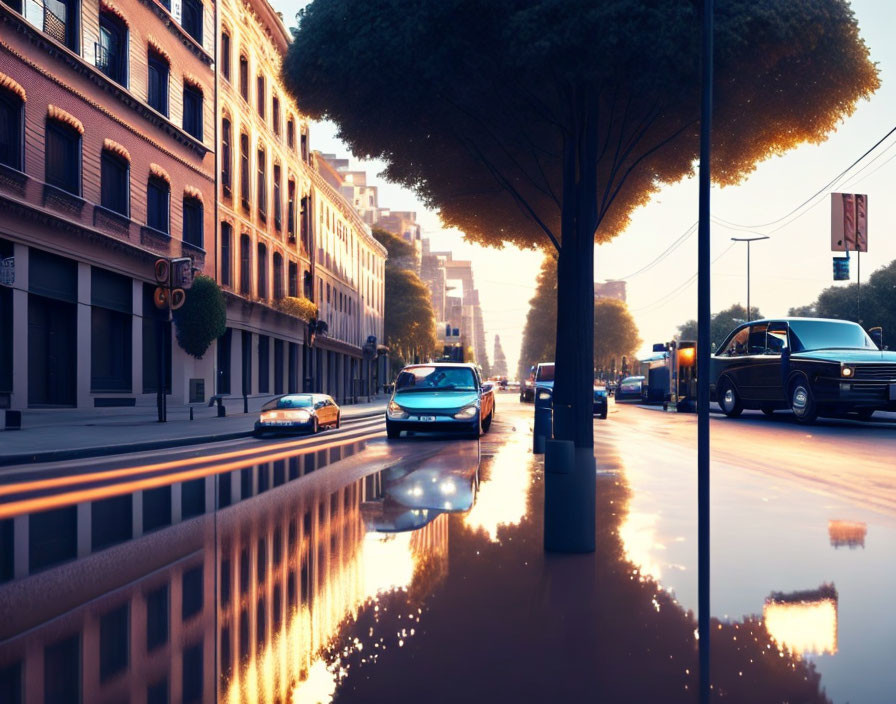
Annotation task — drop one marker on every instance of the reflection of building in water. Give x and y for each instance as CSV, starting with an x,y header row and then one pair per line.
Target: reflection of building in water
x,y
847,533
804,622
113,600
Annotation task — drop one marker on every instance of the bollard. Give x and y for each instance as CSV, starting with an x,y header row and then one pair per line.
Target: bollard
x,y
191,413
221,410
13,420
543,422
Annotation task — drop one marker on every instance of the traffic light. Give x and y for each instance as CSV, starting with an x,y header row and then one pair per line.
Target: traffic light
x,y
841,268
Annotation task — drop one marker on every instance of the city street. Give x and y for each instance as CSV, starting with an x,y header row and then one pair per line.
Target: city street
x,y
346,567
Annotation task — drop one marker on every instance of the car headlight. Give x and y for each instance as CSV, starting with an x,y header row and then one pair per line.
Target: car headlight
x,y
847,371
467,412
544,395
393,410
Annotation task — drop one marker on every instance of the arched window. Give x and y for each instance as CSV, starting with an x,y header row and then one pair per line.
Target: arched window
x,y
193,110
226,253
157,82
261,186
244,77
225,54
115,173
260,95
158,197
112,49
63,156
12,115
290,133
193,218
226,155
277,198
245,187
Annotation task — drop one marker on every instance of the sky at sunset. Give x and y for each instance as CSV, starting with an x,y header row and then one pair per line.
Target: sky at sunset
x,y
789,269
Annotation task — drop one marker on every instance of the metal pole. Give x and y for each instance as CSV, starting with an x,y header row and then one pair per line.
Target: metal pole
x,y
749,317
858,287
703,344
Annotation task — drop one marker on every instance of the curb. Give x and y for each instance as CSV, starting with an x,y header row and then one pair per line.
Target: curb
x,y
108,450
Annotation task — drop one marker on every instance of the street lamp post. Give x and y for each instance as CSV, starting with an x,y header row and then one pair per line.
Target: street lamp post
x,y
748,240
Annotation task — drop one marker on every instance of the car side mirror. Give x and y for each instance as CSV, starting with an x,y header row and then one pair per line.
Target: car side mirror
x,y
488,386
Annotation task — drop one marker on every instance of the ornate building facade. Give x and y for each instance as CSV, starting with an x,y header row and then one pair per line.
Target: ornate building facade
x,y
106,164
292,255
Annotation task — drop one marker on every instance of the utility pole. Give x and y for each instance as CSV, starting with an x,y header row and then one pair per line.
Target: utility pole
x,y
703,342
748,240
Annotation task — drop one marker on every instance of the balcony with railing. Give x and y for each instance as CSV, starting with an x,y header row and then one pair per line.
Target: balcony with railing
x,y
109,62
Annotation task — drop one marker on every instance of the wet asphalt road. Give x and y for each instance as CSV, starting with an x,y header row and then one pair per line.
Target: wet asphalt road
x,y
350,568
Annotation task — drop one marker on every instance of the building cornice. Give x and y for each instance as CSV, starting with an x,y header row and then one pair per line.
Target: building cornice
x,y
52,48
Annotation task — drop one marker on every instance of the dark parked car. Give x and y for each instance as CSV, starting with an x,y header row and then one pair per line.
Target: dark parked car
x,y
812,366
630,388
600,401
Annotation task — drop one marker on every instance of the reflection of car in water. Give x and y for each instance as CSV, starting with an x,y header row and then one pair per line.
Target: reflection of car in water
x,y
440,397
812,366
292,412
629,389
410,496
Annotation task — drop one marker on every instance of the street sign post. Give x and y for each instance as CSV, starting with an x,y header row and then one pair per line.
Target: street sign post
x,y
849,233
172,277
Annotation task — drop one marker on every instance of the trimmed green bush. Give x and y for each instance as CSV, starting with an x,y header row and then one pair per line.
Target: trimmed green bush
x,y
202,318
297,306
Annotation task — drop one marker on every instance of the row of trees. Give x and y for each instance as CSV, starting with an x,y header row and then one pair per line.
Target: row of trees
x,y
615,333
872,305
409,321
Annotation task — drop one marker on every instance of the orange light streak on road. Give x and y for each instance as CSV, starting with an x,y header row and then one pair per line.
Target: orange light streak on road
x,y
40,484
45,503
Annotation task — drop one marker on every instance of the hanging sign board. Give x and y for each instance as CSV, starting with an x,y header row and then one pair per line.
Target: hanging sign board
x,y
849,222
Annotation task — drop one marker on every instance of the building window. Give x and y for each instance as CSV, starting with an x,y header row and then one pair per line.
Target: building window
x,y
261,186
277,197
114,641
291,209
115,175
191,19
260,95
111,51
262,271
157,618
245,265
193,111
290,133
59,19
63,145
304,149
226,253
193,213
244,170
275,115
225,55
226,155
244,77
12,111
158,193
278,275
157,86
293,279
111,300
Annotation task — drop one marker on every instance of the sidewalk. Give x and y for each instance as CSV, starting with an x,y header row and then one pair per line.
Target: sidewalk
x,y
53,435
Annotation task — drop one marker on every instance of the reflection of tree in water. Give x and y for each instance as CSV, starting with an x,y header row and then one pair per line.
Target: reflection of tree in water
x,y
509,623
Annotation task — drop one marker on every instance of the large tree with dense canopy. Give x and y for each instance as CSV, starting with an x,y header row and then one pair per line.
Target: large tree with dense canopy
x,y
537,122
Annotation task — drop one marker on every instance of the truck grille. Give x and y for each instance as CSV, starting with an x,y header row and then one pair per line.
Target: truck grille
x,y
880,372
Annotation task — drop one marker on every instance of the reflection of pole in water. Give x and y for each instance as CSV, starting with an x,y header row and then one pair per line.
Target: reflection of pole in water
x,y
849,534
803,622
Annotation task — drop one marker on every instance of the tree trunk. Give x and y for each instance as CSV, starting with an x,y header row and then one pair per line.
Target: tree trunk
x,y
570,479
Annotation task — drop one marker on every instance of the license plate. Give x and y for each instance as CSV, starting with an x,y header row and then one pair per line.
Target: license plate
x,y
426,419
893,392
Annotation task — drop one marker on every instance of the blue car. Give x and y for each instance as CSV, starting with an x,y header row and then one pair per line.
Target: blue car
x,y
440,396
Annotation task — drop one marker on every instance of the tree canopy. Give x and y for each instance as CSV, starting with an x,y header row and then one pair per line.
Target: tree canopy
x,y
409,320
469,103
202,318
875,308
615,333
721,324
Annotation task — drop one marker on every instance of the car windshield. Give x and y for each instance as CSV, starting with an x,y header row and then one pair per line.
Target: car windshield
x,y
545,372
435,379
289,402
828,334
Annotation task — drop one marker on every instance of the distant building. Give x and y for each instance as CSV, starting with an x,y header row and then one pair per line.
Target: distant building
x,y
610,289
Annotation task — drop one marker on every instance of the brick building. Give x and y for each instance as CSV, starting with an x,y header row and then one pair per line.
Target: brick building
x,y
106,163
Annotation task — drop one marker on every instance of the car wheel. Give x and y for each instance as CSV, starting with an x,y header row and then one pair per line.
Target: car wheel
x,y
392,432
338,420
768,411
603,416
729,400
801,402
314,426
487,423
